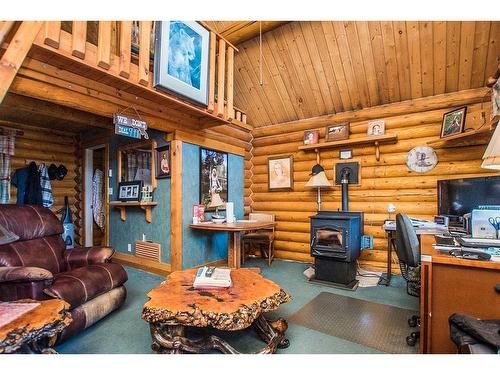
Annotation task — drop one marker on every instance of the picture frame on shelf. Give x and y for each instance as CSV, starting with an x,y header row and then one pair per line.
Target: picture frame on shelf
x,y
280,173
163,162
453,122
129,191
311,137
376,127
337,132
181,59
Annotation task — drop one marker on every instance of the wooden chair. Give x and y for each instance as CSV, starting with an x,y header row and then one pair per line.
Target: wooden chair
x,y
263,238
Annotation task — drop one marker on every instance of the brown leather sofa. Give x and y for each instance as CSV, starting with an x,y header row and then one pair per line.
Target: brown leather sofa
x,y
38,266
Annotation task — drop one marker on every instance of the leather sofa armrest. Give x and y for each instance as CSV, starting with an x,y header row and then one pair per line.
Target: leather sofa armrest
x,y
81,257
23,274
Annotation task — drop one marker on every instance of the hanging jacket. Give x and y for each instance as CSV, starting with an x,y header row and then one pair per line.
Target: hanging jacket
x,y
33,193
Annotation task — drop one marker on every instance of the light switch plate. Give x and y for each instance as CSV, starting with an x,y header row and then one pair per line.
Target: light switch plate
x,y
110,191
110,173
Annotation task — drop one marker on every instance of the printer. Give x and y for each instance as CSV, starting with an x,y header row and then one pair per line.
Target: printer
x,y
481,227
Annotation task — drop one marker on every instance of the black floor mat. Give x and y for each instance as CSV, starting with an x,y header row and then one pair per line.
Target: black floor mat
x,y
378,326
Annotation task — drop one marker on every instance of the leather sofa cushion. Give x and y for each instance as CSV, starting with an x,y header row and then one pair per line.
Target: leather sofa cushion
x,y
22,274
82,284
29,222
81,257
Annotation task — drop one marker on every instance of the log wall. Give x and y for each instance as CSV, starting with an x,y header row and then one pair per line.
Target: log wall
x,y
382,182
51,146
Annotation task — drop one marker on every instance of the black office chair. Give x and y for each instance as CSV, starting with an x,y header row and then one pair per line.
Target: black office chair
x,y
408,251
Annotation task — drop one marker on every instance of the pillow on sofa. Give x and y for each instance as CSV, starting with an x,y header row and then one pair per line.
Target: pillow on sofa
x,y
7,236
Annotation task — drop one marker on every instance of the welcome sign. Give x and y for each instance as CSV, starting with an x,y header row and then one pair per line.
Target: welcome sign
x,y
130,126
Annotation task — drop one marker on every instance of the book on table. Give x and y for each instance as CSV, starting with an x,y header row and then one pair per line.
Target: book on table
x,y
212,278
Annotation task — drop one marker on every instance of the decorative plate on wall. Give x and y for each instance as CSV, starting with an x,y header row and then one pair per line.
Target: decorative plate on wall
x,y
421,159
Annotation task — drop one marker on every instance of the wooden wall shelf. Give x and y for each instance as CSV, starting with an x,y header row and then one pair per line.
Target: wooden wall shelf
x,y
479,136
122,206
375,140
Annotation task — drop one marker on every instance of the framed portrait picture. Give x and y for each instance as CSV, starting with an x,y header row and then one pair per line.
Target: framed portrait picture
x,y
376,127
213,177
181,59
163,162
129,191
280,173
453,122
337,132
311,137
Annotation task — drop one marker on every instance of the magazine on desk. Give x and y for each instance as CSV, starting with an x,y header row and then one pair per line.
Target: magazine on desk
x,y
212,278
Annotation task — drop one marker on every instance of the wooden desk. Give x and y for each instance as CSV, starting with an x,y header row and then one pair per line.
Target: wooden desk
x,y
234,236
453,285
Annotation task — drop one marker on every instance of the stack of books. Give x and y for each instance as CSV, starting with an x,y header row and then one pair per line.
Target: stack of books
x,y
212,278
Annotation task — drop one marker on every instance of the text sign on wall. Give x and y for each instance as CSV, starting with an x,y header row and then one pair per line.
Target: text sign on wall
x,y
130,126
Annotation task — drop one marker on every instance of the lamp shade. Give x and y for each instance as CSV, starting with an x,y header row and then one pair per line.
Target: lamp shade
x,y
216,201
491,157
318,180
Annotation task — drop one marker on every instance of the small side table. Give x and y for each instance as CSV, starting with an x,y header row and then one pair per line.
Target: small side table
x,y
35,331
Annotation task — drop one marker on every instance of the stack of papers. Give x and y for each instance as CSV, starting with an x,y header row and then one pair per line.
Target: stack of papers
x,y
212,278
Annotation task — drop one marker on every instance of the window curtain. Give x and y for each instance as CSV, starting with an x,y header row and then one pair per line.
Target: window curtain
x,y
6,152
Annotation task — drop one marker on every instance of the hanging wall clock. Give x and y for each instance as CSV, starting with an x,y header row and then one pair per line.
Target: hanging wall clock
x,y
421,159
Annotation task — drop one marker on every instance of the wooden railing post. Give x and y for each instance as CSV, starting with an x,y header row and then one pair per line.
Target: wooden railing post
x,y
52,33
229,85
211,72
221,72
125,46
144,51
104,45
79,39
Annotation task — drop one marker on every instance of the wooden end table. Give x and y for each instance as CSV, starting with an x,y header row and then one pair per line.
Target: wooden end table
x,y
35,331
175,305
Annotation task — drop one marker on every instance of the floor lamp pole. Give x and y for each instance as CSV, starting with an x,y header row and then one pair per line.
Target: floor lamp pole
x,y
319,198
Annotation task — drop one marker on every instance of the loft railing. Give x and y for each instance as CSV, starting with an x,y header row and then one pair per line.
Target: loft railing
x,y
125,49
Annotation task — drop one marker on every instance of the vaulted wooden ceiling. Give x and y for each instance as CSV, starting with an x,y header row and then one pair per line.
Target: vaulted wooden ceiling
x,y
315,68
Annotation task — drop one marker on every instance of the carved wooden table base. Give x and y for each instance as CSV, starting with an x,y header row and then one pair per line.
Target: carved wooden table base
x,y
171,339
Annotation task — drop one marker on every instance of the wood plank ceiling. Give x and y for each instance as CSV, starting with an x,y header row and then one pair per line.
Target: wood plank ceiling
x,y
315,68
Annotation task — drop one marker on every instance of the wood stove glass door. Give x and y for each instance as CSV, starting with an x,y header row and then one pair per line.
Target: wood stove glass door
x,y
328,240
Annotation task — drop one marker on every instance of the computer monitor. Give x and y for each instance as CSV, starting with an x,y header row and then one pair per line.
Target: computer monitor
x,y
459,197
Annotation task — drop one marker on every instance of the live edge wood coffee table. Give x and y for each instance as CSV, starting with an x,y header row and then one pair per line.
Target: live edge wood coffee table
x,y
175,305
36,330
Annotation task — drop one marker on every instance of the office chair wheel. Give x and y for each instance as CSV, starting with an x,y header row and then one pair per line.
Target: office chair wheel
x,y
415,335
411,341
413,321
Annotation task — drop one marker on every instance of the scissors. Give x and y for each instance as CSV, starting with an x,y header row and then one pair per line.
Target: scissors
x,y
495,221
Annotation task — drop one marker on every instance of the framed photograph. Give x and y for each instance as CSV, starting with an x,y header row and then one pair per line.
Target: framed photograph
x,y
129,191
337,132
311,137
280,173
213,177
453,122
181,59
376,127
163,162
345,154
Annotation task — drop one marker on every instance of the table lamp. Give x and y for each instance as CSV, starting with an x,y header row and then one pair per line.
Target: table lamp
x,y
318,180
491,157
216,202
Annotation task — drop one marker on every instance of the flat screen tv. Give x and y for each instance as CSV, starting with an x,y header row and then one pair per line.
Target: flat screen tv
x,y
459,197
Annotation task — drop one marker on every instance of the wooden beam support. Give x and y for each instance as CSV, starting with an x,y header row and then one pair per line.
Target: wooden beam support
x,y
176,206
16,53
52,33
79,39
144,51
125,45
211,72
204,140
104,45
230,84
221,72
5,29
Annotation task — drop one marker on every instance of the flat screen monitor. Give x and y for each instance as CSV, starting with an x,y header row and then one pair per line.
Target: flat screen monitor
x,y
459,197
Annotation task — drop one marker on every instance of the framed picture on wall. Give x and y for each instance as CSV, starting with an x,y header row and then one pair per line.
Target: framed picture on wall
x,y
181,59
163,162
311,137
129,191
280,173
453,122
213,177
376,127
337,132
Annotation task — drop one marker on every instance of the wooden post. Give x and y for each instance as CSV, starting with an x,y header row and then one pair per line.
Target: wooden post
x,y
16,53
104,45
176,206
230,82
79,39
221,61
52,33
5,27
211,72
125,44
144,50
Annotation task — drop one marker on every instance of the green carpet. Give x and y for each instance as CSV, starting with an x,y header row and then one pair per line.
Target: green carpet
x,y
124,332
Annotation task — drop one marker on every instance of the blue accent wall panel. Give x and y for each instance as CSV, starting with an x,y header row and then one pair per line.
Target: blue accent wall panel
x,y
126,232
200,247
